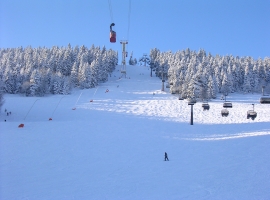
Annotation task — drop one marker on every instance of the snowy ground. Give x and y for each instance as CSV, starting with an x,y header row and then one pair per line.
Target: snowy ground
x,y
113,147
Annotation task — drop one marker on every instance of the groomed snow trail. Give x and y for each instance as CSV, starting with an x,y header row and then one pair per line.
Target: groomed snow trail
x,y
112,145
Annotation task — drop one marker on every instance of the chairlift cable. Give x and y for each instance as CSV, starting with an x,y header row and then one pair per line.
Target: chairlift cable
x,y
110,8
129,11
112,33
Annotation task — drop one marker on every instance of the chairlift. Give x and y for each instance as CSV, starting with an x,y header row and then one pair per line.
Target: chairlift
x,y
205,106
227,104
171,83
251,114
265,100
224,113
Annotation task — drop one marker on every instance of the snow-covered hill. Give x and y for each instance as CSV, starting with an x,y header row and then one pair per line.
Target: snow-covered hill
x,y
113,147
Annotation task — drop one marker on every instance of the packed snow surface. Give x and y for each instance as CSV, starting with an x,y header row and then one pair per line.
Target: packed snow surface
x,y
109,143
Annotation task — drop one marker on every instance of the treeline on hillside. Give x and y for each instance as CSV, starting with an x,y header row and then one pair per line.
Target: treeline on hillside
x,y
201,75
56,70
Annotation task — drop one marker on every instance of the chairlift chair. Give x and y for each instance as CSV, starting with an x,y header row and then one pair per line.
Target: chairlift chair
x,y
251,114
224,113
265,100
227,104
205,106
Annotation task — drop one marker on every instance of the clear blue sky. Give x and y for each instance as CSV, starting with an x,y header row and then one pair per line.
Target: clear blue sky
x,y
236,27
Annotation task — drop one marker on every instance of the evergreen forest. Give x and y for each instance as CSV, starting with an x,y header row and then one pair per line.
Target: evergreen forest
x,y
200,75
40,71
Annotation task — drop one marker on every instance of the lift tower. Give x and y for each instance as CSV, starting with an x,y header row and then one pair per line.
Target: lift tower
x,y
124,55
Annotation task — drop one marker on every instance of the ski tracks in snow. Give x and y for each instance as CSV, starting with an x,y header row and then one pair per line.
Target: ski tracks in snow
x,y
217,137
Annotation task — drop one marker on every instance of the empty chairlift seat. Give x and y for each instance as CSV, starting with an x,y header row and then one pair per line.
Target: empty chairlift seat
x,y
251,114
224,113
227,104
265,100
205,106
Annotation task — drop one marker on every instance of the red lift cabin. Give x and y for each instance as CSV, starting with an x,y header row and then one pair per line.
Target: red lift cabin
x,y
112,34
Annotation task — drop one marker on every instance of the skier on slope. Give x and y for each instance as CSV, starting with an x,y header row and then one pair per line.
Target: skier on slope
x,y
166,157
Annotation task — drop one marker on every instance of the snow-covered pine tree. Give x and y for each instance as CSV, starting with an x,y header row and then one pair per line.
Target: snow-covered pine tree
x,y
67,62
230,79
226,85
247,79
87,83
74,75
81,74
105,67
35,81
2,100
211,89
94,73
145,60
56,83
65,85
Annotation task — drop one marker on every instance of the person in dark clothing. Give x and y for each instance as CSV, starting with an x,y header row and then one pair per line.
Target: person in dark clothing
x,y
166,157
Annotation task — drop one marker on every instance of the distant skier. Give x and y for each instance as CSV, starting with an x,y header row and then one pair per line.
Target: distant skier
x,y
166,157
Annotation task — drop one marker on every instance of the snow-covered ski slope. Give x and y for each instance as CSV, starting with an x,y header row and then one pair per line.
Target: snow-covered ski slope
x,y
113,147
